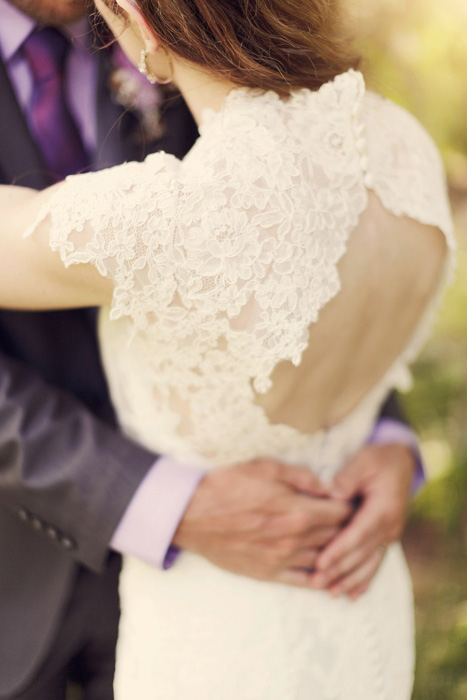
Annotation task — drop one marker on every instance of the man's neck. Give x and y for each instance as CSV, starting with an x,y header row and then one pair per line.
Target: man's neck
x,y
52,13
16,26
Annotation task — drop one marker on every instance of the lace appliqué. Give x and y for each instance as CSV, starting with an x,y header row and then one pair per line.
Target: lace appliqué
x,y
222,261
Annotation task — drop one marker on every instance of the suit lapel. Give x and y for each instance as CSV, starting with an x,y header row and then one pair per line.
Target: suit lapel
x,y
120,134
110,150
20,159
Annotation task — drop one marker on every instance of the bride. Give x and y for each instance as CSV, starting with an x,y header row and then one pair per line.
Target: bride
x,y
261,296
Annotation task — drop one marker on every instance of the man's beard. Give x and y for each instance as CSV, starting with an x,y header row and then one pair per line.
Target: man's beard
x,y
54,12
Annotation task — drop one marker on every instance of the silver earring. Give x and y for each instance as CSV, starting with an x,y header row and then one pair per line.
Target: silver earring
x,y
144,68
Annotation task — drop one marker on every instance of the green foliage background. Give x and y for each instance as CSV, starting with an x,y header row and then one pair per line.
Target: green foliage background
x,y
416,53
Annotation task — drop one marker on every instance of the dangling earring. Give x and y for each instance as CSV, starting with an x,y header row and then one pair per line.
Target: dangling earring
x,y
145,70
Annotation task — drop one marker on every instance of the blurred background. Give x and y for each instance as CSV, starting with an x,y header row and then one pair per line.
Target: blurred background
x,y
415,52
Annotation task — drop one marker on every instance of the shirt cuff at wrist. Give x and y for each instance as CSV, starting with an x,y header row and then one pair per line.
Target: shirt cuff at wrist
x,y
388,431
152,517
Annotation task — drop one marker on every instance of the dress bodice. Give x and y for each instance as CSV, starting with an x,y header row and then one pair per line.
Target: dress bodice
x,y
222,264
222,261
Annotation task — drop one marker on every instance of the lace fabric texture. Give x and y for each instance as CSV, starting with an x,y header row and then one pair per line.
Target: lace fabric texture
x,y
220,263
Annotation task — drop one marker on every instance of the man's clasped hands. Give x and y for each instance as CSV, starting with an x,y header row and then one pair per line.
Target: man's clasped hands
x,y
280,523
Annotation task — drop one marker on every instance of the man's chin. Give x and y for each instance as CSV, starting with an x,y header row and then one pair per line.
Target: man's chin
x,y
54,12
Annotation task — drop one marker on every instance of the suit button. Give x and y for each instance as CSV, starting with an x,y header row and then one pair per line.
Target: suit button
x,y
52,532
23,514
37,523
67,543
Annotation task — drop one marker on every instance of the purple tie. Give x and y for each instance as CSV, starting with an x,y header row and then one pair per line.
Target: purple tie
x,y
50,119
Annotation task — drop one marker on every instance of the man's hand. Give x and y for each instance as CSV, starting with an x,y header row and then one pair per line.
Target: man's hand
x,y
380,477
262,519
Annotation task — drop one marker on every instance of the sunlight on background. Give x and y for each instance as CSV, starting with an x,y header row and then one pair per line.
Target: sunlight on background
x,y
416,53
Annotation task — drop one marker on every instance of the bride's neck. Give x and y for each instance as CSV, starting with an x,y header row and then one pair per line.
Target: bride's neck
x,y
200,89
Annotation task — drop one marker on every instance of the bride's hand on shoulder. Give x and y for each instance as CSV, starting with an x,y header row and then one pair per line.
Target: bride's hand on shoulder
x,y
380,478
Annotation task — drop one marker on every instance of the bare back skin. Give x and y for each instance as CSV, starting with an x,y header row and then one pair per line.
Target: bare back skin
x,y
391,270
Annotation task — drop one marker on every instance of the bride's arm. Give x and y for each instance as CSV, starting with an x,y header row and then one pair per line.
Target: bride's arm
x,y
32,276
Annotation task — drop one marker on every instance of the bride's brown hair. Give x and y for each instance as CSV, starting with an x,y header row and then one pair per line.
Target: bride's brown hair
x,y
278,45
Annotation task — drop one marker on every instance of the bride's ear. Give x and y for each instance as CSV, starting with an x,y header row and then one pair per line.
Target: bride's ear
x,y
151,41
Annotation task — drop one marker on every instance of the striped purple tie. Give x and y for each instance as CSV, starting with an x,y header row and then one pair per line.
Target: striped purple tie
x,y
50,119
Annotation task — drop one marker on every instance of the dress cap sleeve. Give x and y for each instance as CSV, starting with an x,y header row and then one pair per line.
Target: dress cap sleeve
x,y
120,220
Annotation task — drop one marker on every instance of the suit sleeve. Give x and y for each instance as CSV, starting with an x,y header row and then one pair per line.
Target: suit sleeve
x,y
393,427
393,410
62,471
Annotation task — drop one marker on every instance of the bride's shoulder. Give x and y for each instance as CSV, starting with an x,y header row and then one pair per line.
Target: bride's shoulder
x,y
404,164
391,130
259,133
341,138
335,122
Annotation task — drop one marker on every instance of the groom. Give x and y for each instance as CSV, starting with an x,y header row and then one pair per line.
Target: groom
x,y
73,491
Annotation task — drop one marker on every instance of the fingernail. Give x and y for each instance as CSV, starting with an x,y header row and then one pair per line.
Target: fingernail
x,y
335,592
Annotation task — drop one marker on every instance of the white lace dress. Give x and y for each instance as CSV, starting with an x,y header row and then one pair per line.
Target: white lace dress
x,y
220,264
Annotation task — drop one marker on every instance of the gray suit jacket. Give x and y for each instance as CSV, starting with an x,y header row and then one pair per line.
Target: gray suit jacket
x,y
66,474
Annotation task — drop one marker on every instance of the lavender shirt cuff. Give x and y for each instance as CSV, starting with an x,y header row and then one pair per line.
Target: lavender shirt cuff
x,y
149,523
388,431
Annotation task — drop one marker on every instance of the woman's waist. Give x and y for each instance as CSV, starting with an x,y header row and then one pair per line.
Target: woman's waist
x,y
193,578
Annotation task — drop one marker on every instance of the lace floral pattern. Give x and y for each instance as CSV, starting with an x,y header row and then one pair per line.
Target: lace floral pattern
x,y
220,263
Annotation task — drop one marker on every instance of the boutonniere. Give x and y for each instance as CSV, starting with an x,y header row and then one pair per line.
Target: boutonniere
x,y
133,92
